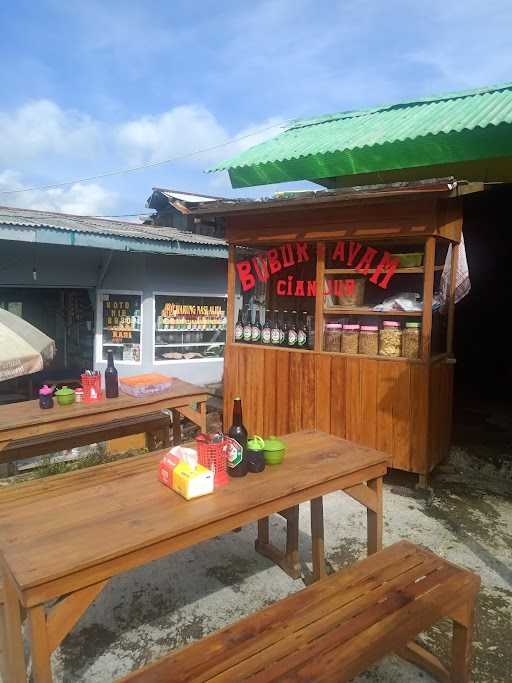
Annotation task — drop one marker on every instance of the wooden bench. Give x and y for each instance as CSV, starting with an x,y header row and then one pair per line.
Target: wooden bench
x,y
156,426
339,626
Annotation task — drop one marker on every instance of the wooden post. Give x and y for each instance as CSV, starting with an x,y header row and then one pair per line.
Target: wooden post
x,y
428,291
230,308
319,300
14,636
374,518
41,664
317,538
451,300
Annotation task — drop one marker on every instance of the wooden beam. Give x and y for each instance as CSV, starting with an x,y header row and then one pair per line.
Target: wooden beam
x,y
422,658
451,299
428,291
364,495
319,300
66,613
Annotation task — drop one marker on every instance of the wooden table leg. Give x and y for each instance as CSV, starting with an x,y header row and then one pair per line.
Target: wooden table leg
x,y
176,427
289,560
462,643
14,635
374,518
202,419
41,662
317,537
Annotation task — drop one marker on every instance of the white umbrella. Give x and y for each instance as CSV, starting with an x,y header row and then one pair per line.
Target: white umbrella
x,y
23,348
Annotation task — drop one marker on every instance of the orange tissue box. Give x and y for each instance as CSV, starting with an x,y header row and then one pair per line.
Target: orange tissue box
x,y
165,469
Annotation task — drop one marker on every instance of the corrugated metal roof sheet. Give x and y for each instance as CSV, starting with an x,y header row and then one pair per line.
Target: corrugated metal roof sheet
x,y
364,141
146,234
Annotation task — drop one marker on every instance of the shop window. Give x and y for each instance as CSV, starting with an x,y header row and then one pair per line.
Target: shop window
x,y
189,327
275,295
121,321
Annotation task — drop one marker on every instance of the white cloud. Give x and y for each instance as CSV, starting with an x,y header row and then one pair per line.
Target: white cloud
x,y
41,127
83,199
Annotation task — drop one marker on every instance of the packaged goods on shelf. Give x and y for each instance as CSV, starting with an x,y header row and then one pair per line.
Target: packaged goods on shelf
x,y
350,339
390,339
369,340
332,338
411,340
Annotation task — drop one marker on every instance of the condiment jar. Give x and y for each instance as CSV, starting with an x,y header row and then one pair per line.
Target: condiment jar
x,y
350,339
411,340
369,340
255,455
79,394
46,397
332,339
390,339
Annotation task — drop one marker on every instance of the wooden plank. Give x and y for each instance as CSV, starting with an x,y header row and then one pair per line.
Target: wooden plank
x,y
323,392
428,291
364,495
425,660
270,393
231,290
338,396
419,417
353,399
295,392
401,417
282,407
319,299
375,518
368,405
386,394
308,391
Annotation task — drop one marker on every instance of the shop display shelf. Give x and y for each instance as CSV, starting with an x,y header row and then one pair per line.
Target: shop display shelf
x,y
361,310
190,344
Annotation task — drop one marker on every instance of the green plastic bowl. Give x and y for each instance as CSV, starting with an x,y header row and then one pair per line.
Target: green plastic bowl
x,y
65,396
274,451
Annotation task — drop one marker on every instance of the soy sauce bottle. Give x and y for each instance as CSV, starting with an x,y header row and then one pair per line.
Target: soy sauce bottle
x,y
239,328
238,432
256,329
111,382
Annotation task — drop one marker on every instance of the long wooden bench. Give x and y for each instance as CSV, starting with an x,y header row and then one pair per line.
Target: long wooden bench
x,y
339,626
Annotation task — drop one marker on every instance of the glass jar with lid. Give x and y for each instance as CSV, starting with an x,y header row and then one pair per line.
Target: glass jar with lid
x,y
411,341
390,338
350,339
369,340
332,338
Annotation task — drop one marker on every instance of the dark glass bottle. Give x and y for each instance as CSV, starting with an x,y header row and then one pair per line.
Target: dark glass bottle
x,y
283,329
248,327
238,432
256,329
266,332
291,333
275,335
302,333
111,383
239,328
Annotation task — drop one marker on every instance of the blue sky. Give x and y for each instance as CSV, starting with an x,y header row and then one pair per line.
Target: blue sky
x,y
93,86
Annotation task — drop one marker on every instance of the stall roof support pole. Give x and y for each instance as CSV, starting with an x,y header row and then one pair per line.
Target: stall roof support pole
x,y
319,301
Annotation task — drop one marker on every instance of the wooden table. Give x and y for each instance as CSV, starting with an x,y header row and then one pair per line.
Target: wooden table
x,y
26,430
66,536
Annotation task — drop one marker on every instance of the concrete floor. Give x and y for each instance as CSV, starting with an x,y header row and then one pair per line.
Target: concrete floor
x,y
467,518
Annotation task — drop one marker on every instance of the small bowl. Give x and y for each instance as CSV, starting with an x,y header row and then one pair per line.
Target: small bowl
x,y
65,396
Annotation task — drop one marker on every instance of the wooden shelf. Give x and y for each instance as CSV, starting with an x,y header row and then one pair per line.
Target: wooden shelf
x,y
339,310
353,271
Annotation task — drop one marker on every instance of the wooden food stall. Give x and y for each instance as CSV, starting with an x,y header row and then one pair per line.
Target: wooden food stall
x,y
322,264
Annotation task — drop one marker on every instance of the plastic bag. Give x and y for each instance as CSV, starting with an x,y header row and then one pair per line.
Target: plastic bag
x,y
404,301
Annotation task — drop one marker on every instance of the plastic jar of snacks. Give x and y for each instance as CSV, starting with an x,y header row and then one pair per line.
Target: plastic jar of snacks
x,y
390,339
332,338
350,339
411,340
369,340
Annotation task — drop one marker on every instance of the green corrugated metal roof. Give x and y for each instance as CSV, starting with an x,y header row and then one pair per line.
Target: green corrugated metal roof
x,y
467,126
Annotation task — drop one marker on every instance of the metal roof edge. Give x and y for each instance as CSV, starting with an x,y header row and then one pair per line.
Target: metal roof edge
x,y
56,236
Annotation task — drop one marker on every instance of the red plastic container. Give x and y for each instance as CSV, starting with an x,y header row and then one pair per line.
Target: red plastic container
x,y
214,457
91,384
